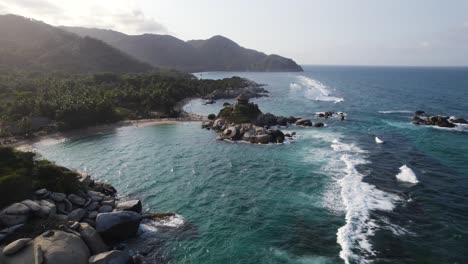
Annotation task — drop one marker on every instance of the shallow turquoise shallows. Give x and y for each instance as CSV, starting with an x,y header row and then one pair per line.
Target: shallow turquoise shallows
x,y
331,195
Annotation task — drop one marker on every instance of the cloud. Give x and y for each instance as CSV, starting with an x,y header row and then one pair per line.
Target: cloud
x,y
120,15
465,25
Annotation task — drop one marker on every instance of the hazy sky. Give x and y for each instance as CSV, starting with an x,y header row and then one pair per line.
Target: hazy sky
x,y
363,32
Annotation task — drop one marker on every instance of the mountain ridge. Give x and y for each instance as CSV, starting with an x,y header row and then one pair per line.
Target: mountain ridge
x,y
217,53
28,44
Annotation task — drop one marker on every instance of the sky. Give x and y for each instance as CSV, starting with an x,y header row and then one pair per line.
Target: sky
x,y
331,32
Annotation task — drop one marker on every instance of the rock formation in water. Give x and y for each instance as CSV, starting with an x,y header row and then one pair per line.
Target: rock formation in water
x,y
244,121
422,118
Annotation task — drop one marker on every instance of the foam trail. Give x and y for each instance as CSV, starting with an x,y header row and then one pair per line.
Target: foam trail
x,y
313,90
359,199
407,175
396,112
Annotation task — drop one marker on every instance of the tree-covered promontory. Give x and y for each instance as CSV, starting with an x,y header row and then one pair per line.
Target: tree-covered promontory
x,y
29,99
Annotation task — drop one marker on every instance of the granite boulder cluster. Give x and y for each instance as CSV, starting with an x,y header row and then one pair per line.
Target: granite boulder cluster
x,y
90,221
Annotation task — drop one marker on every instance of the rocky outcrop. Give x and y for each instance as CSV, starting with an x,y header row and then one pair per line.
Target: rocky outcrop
x,y
14,214
422,118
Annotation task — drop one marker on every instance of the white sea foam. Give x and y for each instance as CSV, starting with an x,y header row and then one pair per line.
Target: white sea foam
x,y
407,175
359,199
313,89
151,226
378,140
396,112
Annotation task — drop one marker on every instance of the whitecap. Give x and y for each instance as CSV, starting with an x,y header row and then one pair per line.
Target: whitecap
x,y
407,175
378,140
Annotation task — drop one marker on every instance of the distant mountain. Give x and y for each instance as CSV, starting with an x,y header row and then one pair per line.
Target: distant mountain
x,y
215,54
28,44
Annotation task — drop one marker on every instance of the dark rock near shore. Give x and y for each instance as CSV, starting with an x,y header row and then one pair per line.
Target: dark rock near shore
x,y
319,124
266,120
419,112
440,121
132,205
304,122
458,121
105,188
118,225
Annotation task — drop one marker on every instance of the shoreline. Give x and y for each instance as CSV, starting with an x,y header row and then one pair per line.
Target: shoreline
x,y
25,144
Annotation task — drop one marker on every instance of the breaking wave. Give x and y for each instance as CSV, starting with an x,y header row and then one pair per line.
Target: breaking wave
x,y
359,199
313,89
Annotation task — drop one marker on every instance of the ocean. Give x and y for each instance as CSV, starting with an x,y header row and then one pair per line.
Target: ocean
x,y
330,195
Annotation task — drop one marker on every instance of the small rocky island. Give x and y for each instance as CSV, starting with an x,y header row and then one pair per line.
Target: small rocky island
x,y
422,118
244,121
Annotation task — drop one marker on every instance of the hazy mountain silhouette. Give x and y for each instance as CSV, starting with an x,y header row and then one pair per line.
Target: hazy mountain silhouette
x,y
28,44
215,54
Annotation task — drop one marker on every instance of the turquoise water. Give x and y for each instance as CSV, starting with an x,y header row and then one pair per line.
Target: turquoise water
x,y
329,196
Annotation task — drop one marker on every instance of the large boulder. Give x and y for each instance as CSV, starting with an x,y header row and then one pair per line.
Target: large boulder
x,y
118,225
111,257
249,136
15,246
263,139
61,247
53,247
219,123
57,197
132,205
47,208
92,239
231,133
105,209
276,135
304,122
266,120
33,205
77,214
77,200
14,214
282,121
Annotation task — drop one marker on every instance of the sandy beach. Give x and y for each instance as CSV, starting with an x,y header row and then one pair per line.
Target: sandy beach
x,y
26,144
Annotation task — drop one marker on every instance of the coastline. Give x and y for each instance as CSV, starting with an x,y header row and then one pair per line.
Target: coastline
x,y
26,144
